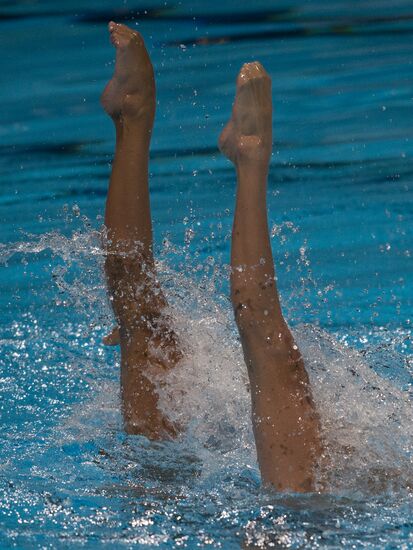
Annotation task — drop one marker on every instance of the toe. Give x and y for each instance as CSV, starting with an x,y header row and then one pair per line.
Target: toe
x,y
120,39
123,28
122,36
114,38
246,73
250,71
128,31
126,36
259,70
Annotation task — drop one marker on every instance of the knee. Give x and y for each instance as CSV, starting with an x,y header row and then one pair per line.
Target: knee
x,y
259,320
242,306
134,290
252,311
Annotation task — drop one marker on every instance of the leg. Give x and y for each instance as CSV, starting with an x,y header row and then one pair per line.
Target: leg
x,y
147,343
285,424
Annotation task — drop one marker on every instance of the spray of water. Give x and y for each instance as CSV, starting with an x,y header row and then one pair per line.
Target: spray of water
x,y
366,419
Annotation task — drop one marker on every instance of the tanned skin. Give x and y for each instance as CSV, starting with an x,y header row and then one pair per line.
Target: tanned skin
x,y
285,422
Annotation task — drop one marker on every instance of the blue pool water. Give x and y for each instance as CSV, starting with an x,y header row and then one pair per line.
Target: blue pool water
x,y
341,213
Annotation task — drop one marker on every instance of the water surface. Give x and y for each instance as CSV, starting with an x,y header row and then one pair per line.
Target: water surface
x,y
340,209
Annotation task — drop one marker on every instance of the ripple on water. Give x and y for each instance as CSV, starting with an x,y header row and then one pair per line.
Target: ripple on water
x,y
69,473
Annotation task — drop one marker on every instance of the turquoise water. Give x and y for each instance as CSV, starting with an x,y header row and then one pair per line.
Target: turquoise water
x,y
340,211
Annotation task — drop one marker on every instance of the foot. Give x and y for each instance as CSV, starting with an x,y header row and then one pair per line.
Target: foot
x,y
248,134
131,91
113,338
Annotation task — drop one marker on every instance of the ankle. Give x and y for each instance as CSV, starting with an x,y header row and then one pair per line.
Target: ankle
x,y
252,149
134,109
252,155
139,123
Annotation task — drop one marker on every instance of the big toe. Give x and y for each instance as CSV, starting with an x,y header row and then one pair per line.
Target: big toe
x,y
128,32
122,36
251,71
124,29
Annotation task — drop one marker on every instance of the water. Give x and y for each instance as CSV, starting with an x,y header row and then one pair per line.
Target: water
x,y
340,200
